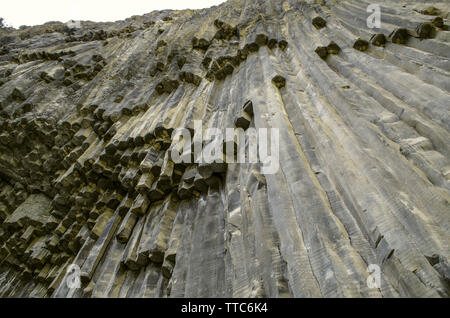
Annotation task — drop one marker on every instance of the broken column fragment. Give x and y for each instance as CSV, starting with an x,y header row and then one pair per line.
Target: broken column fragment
x,y
199,183
140,205
282,45
279,81
322,51
333,48
243,120
378,39
425,30
431,11
126,228
245,115
261,39
17,95
144,184
200,44
399,36
248,107
438,22
319,22
361,45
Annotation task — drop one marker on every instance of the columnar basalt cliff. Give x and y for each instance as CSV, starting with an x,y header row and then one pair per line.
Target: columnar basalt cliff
x,y
87,178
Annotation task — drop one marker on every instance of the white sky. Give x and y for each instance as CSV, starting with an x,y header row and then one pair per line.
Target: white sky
x,y
33,12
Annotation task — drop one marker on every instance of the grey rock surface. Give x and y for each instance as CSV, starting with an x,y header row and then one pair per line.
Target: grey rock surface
x,y
86,175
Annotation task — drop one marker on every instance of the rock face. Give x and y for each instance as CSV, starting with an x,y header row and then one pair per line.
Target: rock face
x,y
87,179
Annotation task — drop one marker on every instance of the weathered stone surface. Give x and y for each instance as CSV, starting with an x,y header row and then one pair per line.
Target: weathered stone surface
x,y
88,177
34,211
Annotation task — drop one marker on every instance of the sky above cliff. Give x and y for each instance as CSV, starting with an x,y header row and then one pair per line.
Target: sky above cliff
x,y
31,12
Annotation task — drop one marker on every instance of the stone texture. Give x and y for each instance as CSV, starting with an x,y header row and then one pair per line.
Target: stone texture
x,y
87,178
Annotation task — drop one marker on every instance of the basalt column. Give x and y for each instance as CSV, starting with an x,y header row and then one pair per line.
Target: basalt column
x,y
90,186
